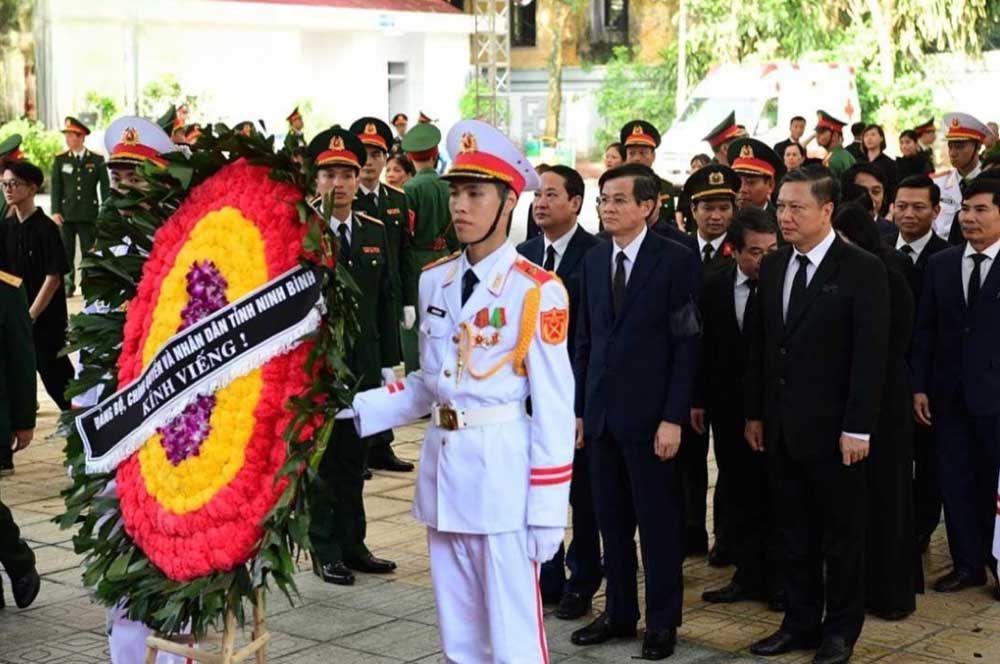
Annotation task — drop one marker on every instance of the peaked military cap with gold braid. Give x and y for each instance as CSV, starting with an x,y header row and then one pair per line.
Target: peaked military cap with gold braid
x,y
748,156
712,181
373,131
337,147
131,140
481,152
826,121
639,132
724,131
964,127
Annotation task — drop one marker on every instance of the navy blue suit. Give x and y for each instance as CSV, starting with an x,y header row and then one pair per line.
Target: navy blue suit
x,y
584,555
633,371
956,362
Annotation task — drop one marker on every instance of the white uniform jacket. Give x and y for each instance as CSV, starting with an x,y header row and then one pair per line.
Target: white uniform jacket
x,y
950,183
498,477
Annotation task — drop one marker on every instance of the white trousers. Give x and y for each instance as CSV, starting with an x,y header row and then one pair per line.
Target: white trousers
x,y
489,605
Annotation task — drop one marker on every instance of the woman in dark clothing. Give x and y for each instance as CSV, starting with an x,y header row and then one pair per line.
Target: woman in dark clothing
x,y
873,152
891,557
913,161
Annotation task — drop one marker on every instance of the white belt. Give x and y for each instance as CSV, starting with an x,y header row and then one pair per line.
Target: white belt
x,y
448,417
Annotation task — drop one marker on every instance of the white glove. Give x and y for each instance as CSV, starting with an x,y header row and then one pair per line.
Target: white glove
x,y
344,414
543,542
388,376
409,317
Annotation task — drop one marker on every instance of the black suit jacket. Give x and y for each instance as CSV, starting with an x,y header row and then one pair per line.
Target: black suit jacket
x,y
821,372
636,370
955,345
568,270
719,386
914,272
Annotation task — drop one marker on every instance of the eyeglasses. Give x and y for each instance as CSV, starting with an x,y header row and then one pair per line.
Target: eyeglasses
x,y
614,202
10,185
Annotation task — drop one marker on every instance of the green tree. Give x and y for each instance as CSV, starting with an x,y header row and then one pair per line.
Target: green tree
x,y
159,93
38,144
103,106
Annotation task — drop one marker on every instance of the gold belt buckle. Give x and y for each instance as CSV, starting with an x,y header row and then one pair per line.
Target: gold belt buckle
x,y
447,418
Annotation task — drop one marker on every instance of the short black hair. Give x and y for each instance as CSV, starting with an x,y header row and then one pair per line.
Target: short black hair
x,y
572,182
823,184
25,170
398,116
910,134
645,185
796,118
857,226
701,157
798,146
750,219
618,147
983,185
404,163
868,168
921,182
858,128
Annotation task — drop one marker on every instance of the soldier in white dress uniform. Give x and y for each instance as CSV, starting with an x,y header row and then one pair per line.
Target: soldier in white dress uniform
x,y
493,483
965,135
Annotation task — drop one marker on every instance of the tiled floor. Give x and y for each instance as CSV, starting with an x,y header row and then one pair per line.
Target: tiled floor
x,y
393,620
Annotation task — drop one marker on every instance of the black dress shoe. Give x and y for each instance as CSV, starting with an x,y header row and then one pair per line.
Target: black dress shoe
x,y
777,601
369,564
732,592
835,650
601,631
959,579
25,588
386,459
336,573
719,556
781,642
659,644
573,606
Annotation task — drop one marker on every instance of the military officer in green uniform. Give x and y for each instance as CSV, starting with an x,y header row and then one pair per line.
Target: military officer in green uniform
x,y
295,139
337,528
720,137
17,424
431,230
10,150
77,175
641,139
830,136
387,204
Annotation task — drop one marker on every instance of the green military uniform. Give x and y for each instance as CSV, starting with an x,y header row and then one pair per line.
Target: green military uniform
x,y
294,139
433,235
17,406
74,185
839,160
393,211
337,527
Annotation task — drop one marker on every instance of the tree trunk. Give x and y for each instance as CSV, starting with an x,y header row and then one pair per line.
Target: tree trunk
x,y
560,14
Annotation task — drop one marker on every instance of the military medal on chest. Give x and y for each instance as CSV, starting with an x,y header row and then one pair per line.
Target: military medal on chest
x,y
488,326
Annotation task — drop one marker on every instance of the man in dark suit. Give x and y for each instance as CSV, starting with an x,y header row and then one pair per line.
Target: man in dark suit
x,y
796,128
818,344
636,356
560,249
855,147
712,192
728,297
956,380
917,203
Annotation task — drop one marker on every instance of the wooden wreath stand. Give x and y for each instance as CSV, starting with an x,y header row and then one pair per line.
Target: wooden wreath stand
x,y
184,646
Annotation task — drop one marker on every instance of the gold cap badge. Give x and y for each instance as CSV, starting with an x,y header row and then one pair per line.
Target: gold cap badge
x,y
469,143
130,136
370,129
715,178
336,143
746,152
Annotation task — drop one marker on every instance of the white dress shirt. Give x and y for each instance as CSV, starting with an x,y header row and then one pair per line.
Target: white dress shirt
x,y
630,251
335,225
716,245
741,295
483,267
559,245
815,255
917,245
984,267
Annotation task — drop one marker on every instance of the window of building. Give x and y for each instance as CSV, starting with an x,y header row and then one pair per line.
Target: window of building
x,y
522,24
399,89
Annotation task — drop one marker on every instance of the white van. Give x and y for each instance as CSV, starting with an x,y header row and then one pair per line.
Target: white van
x,y
765,98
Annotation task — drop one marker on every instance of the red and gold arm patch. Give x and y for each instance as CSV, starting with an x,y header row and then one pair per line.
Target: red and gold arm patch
x,y
555,325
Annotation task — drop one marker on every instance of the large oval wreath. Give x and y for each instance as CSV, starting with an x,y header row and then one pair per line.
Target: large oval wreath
x,y
215,501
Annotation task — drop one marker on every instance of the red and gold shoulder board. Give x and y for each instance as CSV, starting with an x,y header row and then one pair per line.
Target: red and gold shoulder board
x,y
366,217
441,261
533,272
396,189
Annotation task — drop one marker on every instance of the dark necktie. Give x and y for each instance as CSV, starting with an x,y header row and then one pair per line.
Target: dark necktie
x,y
976,279
345,244
798,286
550,259
748,311
706,253
371,204
618,284
908,250
469,281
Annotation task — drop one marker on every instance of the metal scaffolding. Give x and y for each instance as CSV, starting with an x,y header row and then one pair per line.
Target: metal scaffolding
x,y
491,60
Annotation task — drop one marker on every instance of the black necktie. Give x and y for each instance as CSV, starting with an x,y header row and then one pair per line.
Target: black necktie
x,y
748,311
550,259
706,253
798,286
976,279
908,250
370,202
345,244
469,281
618,284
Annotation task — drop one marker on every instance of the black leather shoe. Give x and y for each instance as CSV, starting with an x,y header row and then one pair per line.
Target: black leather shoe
x,y
781,642
386,459
25,588
573,606
659,644
730,593
695,542
959,579
369,564
601,631
336,573
719,556
835,650
777,602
